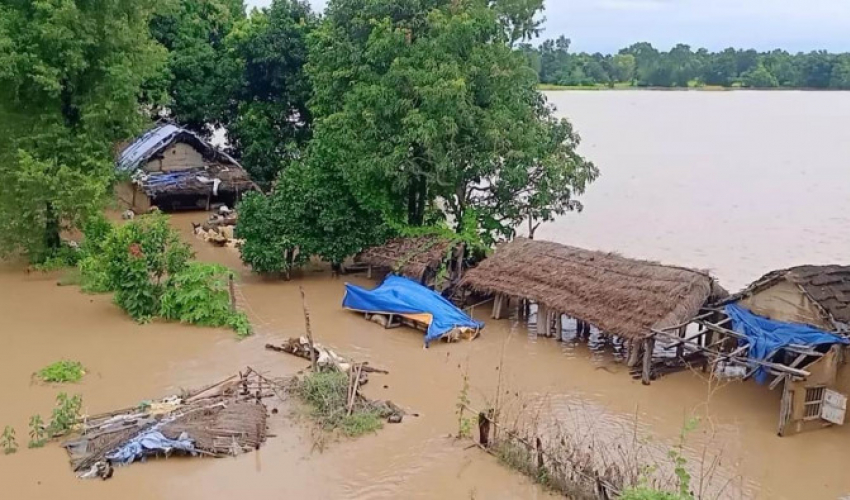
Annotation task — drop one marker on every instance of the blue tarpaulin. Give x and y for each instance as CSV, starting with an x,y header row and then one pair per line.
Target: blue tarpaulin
x,y
397,295
147,443
765,335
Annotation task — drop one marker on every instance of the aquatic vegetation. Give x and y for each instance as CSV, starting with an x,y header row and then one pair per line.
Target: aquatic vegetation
x,y
62,372
7,441
327,395
65,415
38,433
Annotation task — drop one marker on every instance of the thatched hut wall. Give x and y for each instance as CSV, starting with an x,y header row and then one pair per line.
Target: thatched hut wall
x,y
412,257
621,296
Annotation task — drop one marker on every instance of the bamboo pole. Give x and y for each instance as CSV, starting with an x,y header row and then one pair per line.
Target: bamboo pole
x,y
648,347
313,364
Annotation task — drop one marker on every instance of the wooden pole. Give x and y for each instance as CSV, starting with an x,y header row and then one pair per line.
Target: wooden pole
x,y
309,330
648,346
232,289
680,349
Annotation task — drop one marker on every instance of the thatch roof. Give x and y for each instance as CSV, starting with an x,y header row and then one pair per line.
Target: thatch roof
x,y
408,256
827,286
621,296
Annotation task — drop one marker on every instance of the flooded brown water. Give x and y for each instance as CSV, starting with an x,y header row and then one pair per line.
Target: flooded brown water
x,y
688,181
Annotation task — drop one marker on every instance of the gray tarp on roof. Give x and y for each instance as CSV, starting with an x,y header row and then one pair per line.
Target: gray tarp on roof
x,y
145,146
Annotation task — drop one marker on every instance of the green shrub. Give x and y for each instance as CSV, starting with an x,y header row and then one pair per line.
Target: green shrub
x,y
327,395
646,493
62,371
198,294
8,441
65,415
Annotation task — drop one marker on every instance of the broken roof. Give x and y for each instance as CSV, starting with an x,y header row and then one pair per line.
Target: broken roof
x,y
826,286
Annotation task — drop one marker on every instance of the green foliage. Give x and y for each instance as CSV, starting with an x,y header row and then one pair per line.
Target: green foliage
x,y
61,257
266,115
65,415
62,372
643,65
71,74
464,424
137,257
266,237
199,295
326,393
38,434
194,32
8,441
432,101
647,493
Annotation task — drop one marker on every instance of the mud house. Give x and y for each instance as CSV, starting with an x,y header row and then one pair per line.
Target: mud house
x,y
798,318
622,297
172,168
425,259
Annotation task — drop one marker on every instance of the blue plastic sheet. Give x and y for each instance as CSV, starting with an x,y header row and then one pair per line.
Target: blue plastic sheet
x,y
765,336
148,443
398,295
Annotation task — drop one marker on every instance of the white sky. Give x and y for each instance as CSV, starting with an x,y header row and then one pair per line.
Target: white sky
x,y
607,25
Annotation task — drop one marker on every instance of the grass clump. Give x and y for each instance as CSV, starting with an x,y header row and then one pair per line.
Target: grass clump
x,y
326,394
62,372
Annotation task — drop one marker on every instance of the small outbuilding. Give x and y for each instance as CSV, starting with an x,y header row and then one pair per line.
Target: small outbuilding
x,y
426,259
796,322
172,168
624,297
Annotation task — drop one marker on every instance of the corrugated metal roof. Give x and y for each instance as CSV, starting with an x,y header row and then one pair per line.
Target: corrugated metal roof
x,y
145,146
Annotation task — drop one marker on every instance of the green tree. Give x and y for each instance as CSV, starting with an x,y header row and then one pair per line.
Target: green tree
x,y
840,78
194,31
266,114
71,73
432,101
760,77
623,67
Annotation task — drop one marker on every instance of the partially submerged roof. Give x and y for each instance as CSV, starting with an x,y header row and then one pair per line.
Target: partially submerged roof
x,y
828,287
408,256
618,295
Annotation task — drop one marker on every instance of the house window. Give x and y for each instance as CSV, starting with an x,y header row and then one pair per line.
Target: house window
x,y
814,402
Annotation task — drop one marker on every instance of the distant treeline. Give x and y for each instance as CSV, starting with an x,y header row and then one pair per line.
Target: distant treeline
x,y
642,65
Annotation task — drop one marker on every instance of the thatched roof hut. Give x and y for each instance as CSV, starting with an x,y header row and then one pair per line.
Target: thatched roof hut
x,y
415,257
815,295
620,296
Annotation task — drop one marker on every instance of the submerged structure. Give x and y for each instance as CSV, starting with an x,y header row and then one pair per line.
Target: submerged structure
x,y
425,259
399,301
790,328
172,168
624,297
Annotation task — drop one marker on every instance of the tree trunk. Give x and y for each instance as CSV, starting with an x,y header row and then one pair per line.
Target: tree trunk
x,y
52,239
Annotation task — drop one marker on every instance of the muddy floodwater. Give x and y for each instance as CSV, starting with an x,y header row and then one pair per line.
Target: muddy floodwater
x,y
739,183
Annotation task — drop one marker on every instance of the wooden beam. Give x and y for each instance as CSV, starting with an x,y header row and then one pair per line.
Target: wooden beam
x,y
686,339
648,346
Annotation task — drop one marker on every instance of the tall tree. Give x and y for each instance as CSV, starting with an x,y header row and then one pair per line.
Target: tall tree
x,y
71,72
194,31
265,112
429,100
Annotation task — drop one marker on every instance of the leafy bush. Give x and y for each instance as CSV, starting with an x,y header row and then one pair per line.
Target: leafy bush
x,y
8,441
327,395
65,415
198,295
646,493
62,371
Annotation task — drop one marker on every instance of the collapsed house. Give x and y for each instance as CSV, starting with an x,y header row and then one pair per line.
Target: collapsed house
x,y
622,297
788,328
426,259
173,168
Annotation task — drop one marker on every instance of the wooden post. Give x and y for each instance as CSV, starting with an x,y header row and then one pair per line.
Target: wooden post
x,y
558,325
313,360
634,353
680,349
484,428
232,289
785,406
648,347
542,319
369,272
498,306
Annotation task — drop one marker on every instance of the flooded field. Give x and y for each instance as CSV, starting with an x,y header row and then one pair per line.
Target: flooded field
x,y
736,182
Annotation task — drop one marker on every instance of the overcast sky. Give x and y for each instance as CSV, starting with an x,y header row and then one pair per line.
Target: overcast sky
x,y
607,25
